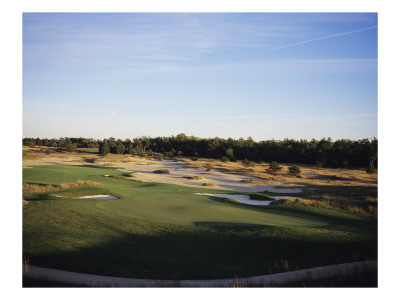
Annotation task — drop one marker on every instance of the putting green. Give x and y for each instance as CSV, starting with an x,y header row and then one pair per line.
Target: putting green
x,y
168,203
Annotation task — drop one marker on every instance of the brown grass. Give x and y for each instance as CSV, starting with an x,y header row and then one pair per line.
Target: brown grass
x,y
28,188
109,165
115,158
359,208
310,175
209,184
348,189
35,153
194,177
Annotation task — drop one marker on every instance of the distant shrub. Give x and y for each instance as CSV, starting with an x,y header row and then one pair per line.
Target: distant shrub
x,y
209,184
345,164
294,170
179,153
224,159
246,163
209,167
169,154
247,181
194,158
274,167
194,177
229,154
319,164
132,175
371,169
70,147
162,171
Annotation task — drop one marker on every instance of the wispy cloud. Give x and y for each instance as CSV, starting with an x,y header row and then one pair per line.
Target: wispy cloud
x,y
322,38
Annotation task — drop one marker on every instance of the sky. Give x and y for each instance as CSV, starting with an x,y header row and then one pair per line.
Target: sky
x,y
264,75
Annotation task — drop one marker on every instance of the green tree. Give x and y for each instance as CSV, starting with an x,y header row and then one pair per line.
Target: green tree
x,y
104,148
371,168
274,167
120,149
129,149
70,147
229,154
294,170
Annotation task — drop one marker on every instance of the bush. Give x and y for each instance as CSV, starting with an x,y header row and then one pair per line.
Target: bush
x,y
371,169
194,158
169,154
294,170
224,159
246,163
194,177
209,167
274,167
161,171
70,148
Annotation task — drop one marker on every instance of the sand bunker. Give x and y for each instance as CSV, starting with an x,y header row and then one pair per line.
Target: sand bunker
x,y
144,168
246,198
241,198
105,197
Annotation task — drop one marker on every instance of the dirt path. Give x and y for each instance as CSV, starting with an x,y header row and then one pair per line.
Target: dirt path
x,y
263,280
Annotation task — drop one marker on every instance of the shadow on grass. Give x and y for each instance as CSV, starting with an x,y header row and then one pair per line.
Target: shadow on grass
x,y
195,252
230,225
94,167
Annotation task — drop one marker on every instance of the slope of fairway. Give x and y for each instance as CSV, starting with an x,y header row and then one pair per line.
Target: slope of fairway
x,y
168,203
162,231
181,207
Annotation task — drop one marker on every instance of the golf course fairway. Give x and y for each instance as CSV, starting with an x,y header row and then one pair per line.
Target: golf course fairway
x,y
165,231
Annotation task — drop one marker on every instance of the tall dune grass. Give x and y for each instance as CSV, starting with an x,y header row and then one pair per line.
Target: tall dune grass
x,y
29,188
356,207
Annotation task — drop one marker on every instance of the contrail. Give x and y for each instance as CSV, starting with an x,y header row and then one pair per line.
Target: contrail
x,y
323,38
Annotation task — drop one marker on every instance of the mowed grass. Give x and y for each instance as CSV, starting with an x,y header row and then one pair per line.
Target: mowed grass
x,y
166,202
164,231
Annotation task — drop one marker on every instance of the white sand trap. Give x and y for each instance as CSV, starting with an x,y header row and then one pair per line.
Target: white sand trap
x,y
105,197
241,198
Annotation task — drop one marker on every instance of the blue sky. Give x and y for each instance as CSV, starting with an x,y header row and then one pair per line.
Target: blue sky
x,y
264,75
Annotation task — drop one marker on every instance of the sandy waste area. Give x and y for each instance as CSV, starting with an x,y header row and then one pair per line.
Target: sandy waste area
x,y
143,169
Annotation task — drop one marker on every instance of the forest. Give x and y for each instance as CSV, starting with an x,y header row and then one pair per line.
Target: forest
x,y
341,153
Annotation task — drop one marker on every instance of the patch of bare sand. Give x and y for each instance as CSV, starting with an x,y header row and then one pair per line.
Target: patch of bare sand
x,y
144,167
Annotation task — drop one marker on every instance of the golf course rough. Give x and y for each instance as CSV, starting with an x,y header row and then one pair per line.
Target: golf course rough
x,y
165,231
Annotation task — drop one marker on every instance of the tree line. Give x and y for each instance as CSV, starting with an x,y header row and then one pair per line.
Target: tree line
x,y
324,152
